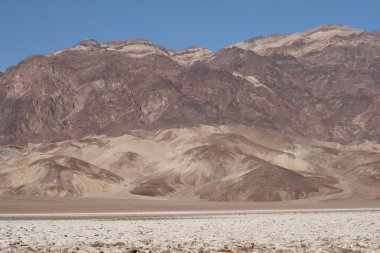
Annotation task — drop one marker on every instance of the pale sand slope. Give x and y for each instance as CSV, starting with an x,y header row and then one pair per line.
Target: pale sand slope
x,y
219,163
342,231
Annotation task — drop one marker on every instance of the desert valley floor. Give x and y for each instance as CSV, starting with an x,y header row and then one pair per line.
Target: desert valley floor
x,y
333,230
48,205
43,224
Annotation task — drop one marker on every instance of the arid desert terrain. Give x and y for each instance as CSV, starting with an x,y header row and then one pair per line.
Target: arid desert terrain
x,y
266,145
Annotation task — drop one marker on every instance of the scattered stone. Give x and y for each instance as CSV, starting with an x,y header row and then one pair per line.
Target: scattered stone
x,y
97,244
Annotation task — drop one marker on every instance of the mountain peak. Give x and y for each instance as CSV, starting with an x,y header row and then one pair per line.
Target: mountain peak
x,y
376,33
327,27
87,43
135,48
331,29
128,42
188,56
298,43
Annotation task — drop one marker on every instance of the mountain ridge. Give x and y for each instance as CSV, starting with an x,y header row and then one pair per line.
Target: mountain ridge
x,y
97,68
193,123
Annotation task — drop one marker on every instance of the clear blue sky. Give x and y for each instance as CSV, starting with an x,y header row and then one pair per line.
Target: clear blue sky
x,y
41,26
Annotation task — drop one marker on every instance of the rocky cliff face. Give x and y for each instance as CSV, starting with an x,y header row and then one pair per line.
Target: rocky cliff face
x,y
321,83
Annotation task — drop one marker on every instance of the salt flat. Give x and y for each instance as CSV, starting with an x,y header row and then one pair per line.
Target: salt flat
x,y
259,231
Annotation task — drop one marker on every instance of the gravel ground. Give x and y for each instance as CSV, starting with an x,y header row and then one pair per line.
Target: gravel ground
x,y
344,231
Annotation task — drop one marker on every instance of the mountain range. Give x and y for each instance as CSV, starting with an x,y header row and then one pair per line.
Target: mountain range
x,y
280,117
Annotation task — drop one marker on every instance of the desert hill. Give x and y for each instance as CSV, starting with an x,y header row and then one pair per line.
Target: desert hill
x,y
206,162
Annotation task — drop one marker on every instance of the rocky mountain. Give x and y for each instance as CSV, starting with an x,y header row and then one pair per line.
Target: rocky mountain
x,y
128,118
321,83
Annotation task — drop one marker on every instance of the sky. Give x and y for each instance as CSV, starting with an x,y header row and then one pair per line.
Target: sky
x,y
41,26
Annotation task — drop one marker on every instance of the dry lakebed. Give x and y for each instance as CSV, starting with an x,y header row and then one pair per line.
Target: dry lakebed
x,y
338,230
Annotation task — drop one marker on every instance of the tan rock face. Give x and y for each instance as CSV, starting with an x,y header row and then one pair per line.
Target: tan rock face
x,y
59,176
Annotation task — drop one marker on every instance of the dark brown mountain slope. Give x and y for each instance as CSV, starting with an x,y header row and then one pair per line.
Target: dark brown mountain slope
x,y
322,83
